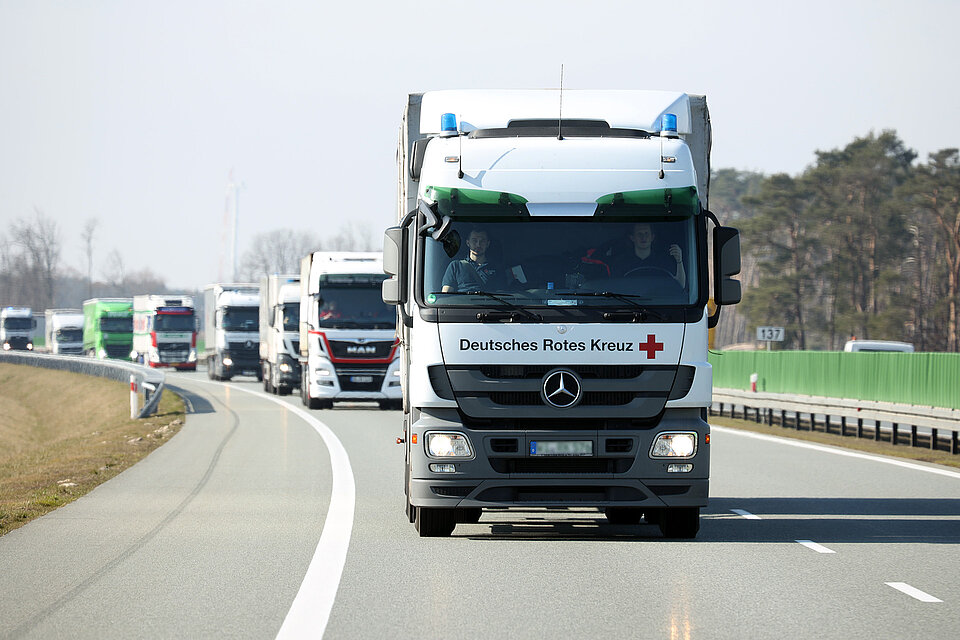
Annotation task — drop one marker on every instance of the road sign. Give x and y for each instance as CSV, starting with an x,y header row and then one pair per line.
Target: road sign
x,y
770,334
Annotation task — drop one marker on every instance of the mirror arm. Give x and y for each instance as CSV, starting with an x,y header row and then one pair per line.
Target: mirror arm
x,y
715,318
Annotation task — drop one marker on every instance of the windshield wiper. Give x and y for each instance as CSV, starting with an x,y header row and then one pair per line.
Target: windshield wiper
x,y
625,297
518,310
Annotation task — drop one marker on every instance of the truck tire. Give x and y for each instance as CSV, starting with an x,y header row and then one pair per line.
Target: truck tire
x,y
435,523
284,390
623,515
266,378
680,522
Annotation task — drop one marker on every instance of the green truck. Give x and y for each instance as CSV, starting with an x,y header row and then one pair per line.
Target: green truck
x,y
108,328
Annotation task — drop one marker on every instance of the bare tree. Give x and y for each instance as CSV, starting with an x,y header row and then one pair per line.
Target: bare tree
x,y
353,236
115,271
40,240
87,236
277,251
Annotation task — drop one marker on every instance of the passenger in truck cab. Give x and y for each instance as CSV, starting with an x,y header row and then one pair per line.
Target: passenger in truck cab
x,y
476,272
644,256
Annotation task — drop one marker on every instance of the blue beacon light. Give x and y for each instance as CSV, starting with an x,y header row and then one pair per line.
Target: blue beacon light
x,y
669,123
448,123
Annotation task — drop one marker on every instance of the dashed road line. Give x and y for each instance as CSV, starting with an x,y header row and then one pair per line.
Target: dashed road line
x,y
819,548
913,592
745,514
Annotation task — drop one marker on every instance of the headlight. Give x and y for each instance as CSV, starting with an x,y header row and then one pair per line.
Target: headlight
x,y
6,346
228,362
29,346
193,356
396,373
154,357
448,445
285,368
677,444
102,354
323,373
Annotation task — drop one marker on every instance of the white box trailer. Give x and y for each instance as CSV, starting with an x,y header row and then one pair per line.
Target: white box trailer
x,y
280,333
551,280
63,331
231,326
165,331
348,348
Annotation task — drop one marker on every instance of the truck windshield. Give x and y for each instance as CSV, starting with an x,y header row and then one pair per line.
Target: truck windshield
x,y
121,325
69,335
571,261
17,324
173,322
354,302
241,319
291,316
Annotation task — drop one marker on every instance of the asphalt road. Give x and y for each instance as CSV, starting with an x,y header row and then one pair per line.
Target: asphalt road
x,y
217,532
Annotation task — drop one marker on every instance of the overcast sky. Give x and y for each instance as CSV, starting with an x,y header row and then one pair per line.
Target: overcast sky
x,y
135,112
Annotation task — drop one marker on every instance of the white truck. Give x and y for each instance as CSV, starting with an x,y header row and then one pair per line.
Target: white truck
x,y
348,348
231,327
551,279
63,331
279,333
165,331
16,328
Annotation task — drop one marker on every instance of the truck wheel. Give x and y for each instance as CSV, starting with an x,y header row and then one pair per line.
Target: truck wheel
x,y
469,515
680,522
435,523
317,403
284,390
411,513
623,515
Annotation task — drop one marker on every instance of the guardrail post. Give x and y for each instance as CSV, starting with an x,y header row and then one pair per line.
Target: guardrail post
x,y
826,423
954,443
893,434
843,425
859,427
876,430
813,422
757,415
134,400
769,417
783,418
933,439
913,435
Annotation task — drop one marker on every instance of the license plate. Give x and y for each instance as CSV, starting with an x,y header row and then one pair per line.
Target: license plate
x,y
361,378
561,448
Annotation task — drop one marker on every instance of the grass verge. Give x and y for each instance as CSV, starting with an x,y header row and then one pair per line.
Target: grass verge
x,y
848,442
62,434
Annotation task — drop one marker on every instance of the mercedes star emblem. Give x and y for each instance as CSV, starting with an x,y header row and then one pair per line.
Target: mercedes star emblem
x,y
561,388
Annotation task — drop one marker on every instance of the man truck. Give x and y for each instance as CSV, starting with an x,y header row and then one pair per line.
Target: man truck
x,y
348,347
63,331
16,328
165,331
279,333
551,280
108,328
231,327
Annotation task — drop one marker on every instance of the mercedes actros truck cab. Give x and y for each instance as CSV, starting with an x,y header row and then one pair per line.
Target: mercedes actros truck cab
x,y
551,274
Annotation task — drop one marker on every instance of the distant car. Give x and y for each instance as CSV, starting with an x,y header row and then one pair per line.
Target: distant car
x,y
878,345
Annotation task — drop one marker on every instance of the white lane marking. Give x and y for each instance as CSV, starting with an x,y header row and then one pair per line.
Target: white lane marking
x,y
819,548
310,612
839,452
913,592
745,514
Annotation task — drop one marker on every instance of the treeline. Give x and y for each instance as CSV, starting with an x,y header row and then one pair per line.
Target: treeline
x,y
864,243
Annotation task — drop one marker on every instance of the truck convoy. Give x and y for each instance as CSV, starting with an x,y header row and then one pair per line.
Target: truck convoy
x,y
108,328
63,331
551,279
279,333
348,348
165,331
16,328
231,321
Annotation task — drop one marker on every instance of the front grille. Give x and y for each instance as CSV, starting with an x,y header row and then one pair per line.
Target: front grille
x,y
561,465
356,350
351,377
18,342
609,372
504,445
243,355
117,350
173,351
619,445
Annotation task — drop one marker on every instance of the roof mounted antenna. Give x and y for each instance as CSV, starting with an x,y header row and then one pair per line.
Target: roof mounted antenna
x,y
560,118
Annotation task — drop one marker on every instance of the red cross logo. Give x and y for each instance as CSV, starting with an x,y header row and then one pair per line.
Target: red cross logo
x,y
651,346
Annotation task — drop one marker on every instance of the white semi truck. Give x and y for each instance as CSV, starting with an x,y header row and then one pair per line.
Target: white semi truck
x,y
231,327
16,328
279,333
63,331
165,331
348,348
551,278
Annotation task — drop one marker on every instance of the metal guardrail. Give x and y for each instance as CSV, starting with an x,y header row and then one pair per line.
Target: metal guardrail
x,y
860,418
149,381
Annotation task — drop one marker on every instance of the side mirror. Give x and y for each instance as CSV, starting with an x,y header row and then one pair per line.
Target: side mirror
x,y
726,263
393,265
416,158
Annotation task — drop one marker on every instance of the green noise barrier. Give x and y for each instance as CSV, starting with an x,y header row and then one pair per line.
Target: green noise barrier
x,y
924,379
